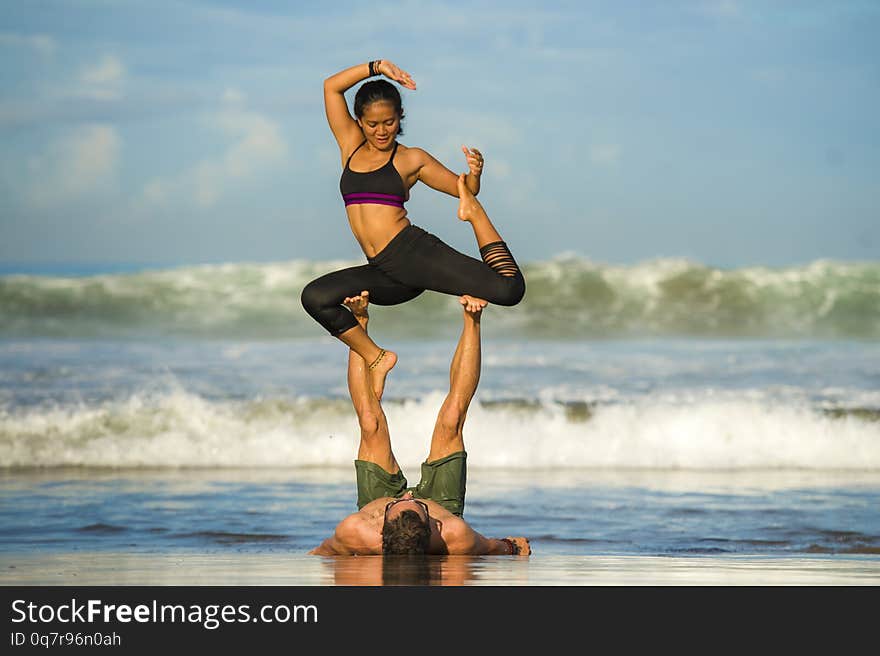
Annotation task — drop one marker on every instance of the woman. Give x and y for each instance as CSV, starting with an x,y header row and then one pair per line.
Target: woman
x,y
404,260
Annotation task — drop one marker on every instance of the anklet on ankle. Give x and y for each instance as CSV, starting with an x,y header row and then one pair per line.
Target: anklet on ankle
x,y
378,359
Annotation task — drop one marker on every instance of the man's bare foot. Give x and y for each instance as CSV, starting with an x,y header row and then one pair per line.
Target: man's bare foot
x,y
521,546
473,306
358,306
469,208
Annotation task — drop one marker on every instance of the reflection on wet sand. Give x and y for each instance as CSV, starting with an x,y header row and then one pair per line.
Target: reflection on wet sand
x,y
282,569
404,570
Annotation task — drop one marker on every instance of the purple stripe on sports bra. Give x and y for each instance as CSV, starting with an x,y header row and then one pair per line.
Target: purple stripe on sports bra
x,y
373,201
370,194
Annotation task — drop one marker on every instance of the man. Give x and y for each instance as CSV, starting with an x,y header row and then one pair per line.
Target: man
x,y
393,519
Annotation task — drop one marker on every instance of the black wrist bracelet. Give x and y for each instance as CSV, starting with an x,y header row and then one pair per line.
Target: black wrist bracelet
x,y
373,70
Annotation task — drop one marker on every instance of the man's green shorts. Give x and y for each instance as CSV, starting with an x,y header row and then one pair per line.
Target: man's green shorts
x,y
443,481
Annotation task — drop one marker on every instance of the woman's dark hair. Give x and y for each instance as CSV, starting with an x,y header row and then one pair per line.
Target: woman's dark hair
x,y
378,91
407,534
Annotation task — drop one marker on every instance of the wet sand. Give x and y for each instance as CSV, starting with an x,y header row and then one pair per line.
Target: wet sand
x,y
103,568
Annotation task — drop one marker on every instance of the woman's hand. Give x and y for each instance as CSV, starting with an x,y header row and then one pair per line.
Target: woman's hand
x,y
474,159
392,72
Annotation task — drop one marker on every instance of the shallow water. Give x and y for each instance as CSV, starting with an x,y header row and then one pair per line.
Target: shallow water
x,y
738,460
563,512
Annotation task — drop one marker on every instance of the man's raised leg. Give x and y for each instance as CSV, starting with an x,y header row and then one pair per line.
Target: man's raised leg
x,y
448,437
464,376
375,443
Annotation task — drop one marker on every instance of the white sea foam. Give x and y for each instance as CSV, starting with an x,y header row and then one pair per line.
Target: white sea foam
x,y
180,429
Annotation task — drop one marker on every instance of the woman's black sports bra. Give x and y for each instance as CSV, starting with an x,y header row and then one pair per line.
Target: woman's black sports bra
x,y
383,186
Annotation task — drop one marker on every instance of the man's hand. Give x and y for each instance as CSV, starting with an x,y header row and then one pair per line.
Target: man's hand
x,y
521,546
472,305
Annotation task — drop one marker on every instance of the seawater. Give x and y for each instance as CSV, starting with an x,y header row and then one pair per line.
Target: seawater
x,y
567,298
165,412
622,404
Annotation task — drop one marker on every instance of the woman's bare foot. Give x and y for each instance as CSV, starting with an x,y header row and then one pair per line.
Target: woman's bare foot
x,y
385,360
472,305
469,208
521,546
379,369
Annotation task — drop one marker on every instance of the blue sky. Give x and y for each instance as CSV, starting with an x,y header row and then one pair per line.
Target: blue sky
x,y
729,132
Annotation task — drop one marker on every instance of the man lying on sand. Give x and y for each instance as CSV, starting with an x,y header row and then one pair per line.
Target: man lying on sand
x,y
426,519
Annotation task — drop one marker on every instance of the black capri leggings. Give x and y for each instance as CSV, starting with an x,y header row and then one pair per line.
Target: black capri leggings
x,y
412,262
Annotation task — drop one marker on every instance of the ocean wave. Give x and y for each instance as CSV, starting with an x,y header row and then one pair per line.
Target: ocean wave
x,y
567,297
181,429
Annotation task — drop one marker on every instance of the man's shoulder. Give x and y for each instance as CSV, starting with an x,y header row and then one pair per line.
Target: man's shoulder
x,y
358,534
354,522
455,529
366,520
439,511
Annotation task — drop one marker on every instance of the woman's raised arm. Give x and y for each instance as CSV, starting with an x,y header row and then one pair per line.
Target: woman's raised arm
x,y
342,124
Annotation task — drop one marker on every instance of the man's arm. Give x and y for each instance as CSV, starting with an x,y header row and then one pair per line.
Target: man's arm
x,y
462,540
330,547
483,546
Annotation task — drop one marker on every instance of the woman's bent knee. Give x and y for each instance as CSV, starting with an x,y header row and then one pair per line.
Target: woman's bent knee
x,y
512,292
325,309
310,297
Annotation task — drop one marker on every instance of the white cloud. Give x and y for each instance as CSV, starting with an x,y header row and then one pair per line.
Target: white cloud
x,y
605,154
80,164
102,80
45,103
253,143
41,43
